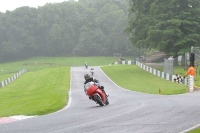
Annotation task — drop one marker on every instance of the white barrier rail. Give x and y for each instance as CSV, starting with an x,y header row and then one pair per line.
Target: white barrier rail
x,y
186,81
11,79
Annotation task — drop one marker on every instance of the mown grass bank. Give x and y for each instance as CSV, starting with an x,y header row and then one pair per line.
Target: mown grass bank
x,y
44,88
36,93
134,78
39,63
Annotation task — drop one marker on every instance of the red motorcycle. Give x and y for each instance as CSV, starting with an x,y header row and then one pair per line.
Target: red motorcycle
x,y
96,94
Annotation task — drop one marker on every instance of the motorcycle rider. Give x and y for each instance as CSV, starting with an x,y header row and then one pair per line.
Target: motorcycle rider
x,y
92,71
88,78
86,65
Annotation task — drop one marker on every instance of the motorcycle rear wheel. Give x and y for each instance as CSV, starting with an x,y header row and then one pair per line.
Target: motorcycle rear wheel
x,y
98,100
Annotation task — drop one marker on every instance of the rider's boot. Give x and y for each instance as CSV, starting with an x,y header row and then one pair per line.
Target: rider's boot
x,y
107,102
104,91
106,94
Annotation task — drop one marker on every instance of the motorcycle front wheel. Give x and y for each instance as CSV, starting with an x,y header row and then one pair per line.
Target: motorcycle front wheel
x,y
107,101
98,100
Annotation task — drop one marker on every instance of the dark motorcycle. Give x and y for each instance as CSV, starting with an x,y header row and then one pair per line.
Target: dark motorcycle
x,y
96,94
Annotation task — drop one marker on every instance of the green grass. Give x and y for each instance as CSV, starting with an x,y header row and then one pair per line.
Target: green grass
x,y
39,63
44,89
36,93
195,131
5,76
134,78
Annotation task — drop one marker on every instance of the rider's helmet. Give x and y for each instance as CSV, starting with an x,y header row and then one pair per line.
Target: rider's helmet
x,y
87,76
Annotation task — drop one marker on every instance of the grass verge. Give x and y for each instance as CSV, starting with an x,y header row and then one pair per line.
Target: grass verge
x,y
134,78
36,93
44,89
195,130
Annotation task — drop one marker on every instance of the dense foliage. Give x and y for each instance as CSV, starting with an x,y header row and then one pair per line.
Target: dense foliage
x,y
170,26
70,28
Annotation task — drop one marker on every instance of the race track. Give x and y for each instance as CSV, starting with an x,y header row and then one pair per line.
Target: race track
x,y
128,112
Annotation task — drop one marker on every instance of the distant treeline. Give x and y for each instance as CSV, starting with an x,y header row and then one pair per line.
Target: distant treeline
x,y
169,26
83,28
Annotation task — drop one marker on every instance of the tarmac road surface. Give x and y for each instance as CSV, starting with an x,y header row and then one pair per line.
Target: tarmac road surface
x,y
128,111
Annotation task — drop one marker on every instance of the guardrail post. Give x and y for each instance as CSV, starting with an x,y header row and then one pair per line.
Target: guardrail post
x,y
191,83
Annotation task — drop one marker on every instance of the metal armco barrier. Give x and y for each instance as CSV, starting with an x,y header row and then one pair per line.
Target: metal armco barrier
x,y
163,75
167,76
11,79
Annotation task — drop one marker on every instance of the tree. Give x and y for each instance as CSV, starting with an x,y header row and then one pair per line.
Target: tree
x,y
86,28
171,26
178,28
